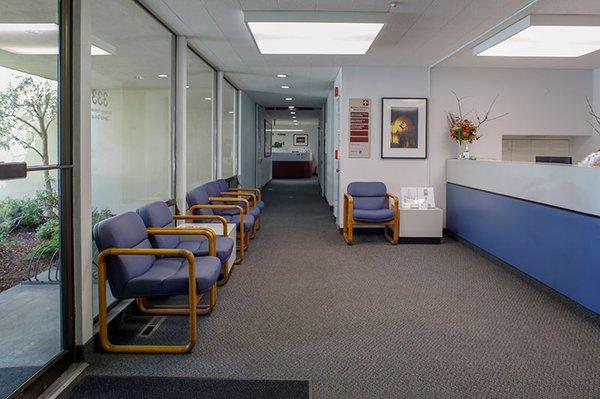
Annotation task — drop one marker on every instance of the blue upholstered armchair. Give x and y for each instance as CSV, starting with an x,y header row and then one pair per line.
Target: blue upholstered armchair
x,y
246,202
199,203
158,214
135,269
368,203
224,186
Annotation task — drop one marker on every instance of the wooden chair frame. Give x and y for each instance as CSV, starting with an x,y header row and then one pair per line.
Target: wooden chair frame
x,y
257,192
253,202
246,209
189,310
244,239
350,222
226,273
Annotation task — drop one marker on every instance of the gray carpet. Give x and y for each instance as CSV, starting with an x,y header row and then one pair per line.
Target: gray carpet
x,y
377,321
186,388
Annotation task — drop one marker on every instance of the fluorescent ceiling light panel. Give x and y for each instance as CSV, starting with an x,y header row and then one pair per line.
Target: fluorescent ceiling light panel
x,y
285,87
545,36
282,75
288,99
298,32
288,130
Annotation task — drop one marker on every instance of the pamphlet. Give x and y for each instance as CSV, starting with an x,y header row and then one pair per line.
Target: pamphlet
x,y
417,198
426,198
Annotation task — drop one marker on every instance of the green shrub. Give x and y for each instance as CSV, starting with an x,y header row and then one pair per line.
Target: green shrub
x,y
100,215
49,232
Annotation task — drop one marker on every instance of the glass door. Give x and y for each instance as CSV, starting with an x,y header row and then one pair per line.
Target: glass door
x,y
35,198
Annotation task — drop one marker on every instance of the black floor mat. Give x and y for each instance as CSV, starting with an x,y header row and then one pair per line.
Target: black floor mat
x,y
13,377
134,387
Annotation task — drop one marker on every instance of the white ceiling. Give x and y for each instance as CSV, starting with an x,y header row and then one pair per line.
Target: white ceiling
x,y
465,57
417,33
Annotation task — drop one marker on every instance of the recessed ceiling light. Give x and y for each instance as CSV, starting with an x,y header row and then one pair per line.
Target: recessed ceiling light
x,y
293,112
288,99
162,75
187,86
291,107
544,36
294,117
282,75
207,98
139,77
285,87
314,37
288,130
231,112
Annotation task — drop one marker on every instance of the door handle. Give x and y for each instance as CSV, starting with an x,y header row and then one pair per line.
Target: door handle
x,y
13,170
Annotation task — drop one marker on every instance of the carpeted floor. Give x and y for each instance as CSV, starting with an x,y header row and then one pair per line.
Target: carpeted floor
x,y
377,321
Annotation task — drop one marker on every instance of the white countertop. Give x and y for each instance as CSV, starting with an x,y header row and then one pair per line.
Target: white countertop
x,y
564,186
294,156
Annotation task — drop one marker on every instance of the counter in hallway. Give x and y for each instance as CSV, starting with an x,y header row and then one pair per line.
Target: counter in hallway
x,y
542,219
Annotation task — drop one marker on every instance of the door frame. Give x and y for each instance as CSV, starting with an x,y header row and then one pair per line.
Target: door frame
x,y
48,373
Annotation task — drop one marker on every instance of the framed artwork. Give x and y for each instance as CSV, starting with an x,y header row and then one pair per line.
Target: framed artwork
x,y
404,128
301,139
268,139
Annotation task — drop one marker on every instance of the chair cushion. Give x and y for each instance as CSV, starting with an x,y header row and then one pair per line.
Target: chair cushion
x,y
200,247
123,231
367,189
223,185
169,276
198,196
158,214
248,221
213,189
373,215
260,205
368,195
255,211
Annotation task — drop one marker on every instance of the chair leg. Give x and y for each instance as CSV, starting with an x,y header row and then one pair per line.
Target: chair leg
x,y
178,310
241,248
393,237
107,346
226,274
253,231
349,232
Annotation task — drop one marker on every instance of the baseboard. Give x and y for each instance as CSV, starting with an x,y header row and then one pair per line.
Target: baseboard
x,y
419,240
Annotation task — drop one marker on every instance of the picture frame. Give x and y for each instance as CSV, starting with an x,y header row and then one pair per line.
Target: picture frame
x,y
404,128
300,139
268,132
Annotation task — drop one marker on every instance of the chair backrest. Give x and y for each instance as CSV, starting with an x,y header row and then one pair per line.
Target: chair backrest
x,y
123,231
158,214
223,185
213,189
368,195
198,196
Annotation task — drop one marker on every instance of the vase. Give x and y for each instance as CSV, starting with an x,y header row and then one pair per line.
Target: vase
x,y
463,147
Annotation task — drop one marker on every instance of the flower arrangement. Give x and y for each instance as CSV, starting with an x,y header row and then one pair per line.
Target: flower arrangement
x,y
592,160
463,129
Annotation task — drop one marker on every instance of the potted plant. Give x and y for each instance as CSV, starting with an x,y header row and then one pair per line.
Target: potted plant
x,y
464,130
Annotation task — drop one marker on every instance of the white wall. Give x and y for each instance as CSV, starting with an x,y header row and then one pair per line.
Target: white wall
x,y
583,146
328,190
375,83
248,142
538,102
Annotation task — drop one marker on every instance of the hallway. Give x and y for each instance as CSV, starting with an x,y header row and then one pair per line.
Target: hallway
x,y
304,306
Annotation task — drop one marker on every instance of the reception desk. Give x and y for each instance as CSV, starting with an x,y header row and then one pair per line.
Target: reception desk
x,y
542,219
292,165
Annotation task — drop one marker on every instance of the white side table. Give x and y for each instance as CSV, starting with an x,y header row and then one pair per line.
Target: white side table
x,y
217,228
421,225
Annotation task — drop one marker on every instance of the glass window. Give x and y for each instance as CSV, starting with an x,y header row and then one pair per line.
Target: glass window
x,y
229,130
30,239
200,100
131,107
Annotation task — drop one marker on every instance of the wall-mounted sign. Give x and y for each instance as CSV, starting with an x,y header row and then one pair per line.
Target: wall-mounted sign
x,y
360,128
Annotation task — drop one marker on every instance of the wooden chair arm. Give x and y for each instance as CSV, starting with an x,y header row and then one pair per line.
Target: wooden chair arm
x,y
241,194
174,231
394,198
202,206
256,190
204,217
238,200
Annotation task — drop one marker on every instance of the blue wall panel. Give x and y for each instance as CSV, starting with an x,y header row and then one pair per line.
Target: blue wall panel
x,y
558,247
